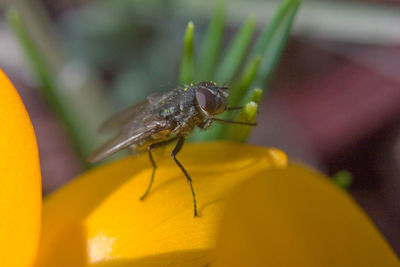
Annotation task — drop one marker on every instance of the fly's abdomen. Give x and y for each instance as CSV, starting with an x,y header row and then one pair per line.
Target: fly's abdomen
x,y
154,138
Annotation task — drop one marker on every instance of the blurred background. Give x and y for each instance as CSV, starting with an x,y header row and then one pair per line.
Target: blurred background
x,y
333,102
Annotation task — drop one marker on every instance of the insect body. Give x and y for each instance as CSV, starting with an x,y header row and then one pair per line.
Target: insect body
x,y
165,118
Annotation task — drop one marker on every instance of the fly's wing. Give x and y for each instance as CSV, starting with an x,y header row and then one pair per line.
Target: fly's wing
x,y
132,113
136,124
130,135
117,143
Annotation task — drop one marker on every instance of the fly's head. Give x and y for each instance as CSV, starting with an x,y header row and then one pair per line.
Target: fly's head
x,y
210,98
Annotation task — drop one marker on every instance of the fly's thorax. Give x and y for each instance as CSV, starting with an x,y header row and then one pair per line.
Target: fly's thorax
x,y
186,124
179,104
180,110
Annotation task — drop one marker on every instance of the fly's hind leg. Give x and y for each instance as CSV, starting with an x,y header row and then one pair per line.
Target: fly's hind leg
x,y
153,163
174,152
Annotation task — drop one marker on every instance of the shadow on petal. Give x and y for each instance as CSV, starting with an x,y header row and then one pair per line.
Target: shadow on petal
x,y
180,258
55,251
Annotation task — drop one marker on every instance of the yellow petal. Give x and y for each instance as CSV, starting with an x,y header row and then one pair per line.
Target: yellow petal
x,y
297,217
20,186
98,218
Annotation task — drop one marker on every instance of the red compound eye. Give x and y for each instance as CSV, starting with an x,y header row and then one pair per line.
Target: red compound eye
x,y
210,100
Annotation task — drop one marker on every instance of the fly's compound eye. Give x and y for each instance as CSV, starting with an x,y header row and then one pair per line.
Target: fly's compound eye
x,y
210,102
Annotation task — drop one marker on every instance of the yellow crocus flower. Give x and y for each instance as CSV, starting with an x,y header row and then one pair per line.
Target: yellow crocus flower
x,y
255,209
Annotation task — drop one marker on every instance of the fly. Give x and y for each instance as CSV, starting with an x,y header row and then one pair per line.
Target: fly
x,y
165,118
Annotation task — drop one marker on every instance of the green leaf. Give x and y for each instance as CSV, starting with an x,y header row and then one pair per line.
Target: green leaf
x,y
273,40
239,90
211,45
236,52
187,63
268,31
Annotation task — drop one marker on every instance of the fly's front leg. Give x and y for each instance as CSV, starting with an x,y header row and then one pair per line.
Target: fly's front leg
x,y
233,122
174,152
153,163
205,124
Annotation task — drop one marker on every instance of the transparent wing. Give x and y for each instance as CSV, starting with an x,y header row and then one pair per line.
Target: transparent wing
x,y
124,116
114,145
131,135
132,113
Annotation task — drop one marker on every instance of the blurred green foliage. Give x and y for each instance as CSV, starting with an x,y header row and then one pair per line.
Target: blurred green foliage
x,y
127,41
133,44
72,108
242,79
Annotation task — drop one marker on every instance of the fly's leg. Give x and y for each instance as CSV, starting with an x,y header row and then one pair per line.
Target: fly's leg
x,y
233,122
174,152
153,163
207,123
